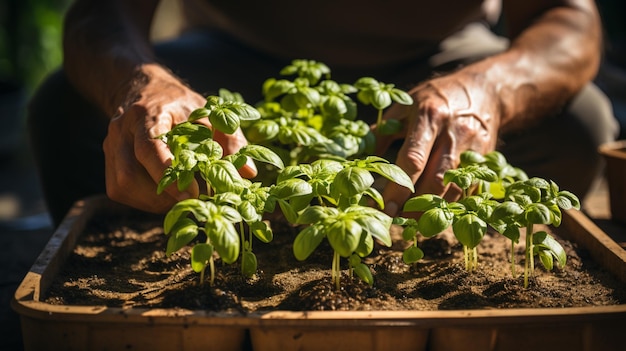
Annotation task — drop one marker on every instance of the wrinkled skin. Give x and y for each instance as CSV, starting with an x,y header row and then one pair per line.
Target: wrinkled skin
x,y
135,158
450,114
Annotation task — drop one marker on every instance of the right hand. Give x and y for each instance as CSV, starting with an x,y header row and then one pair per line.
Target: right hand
x,y
135,160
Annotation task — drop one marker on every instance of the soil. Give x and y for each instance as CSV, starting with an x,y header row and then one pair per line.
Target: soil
x,y
120,261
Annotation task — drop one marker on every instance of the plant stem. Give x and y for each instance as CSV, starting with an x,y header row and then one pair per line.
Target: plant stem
x,y
379,120
513,258
529,265
336,274
212,267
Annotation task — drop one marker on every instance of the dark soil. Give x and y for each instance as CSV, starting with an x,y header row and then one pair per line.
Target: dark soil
x,y
121,262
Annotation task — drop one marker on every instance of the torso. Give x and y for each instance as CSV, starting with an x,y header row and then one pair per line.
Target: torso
x,y
338,32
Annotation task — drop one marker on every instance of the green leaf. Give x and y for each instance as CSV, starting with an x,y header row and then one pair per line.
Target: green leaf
x,y
409,232
290,188
545,243
363,272
263,130
412,254
198,114
538,214
224,120
169,177
381,99
263,154
469,230
315,214
181,234
366,245
181,209
434,221
390,127
471,157
343,236
307,241
423,203
248,264
224,237
352,181
223,175
200,254
262,231
393,173
401,97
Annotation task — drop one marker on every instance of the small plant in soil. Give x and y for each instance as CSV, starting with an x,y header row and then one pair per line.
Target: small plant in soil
x,y
494,194
309,124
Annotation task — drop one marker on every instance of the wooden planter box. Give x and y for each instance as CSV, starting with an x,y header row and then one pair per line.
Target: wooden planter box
x,y
615,155
47,327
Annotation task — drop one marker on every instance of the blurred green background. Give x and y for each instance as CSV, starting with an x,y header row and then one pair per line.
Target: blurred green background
x,y
30,40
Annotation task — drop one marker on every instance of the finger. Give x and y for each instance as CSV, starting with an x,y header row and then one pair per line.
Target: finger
x,y
128,183
412,158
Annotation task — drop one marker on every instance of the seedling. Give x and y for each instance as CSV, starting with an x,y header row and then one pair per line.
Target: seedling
x,y
531,202
229,199
339,216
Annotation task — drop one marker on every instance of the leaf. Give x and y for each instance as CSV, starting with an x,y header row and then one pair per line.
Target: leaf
x,y
307,241
412,254
181,234
366,245
471,157
423,203
469,230
401,97
263,130
248,264
352,181
434,221
200,255
290,188
381,99
224,237
538,214
545,243
224,120
262,231
363,272
315,214
198,114
394,173
223,175
263,154
181,209
343,236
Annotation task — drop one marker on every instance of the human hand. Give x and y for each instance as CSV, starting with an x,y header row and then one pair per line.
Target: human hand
x,y
450,114
135,159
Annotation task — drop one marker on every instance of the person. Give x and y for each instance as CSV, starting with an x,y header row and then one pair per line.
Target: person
x,y
526,93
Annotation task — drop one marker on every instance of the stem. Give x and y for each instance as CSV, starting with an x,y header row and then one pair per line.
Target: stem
x,y
528,267
379,120
202,276
513,258
242,238
212,267
474,259
336,274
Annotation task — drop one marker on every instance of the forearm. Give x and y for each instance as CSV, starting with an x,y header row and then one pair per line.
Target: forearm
x,y
106,44
547,63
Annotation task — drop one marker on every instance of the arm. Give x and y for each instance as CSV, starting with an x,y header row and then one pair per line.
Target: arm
x,y
109,59
554,51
